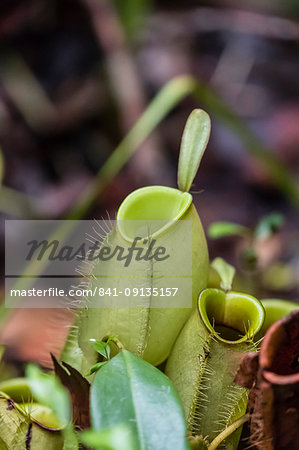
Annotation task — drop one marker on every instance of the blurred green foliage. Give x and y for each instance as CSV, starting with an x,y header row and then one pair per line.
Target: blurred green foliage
x,y
132,14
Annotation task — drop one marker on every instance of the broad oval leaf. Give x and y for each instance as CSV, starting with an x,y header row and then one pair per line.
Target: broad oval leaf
x,y
194,141
131,392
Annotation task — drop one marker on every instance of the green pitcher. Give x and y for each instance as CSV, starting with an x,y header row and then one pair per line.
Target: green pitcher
x,y
159,215
206,357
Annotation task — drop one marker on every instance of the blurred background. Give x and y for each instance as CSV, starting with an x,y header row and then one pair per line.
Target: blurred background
x,y
76,75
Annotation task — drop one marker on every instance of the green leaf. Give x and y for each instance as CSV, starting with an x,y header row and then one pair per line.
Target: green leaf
x,y
47,389
194,141
132,14
118,437
107,351
102,347
129,391
222,229
225,271
95,368
269,225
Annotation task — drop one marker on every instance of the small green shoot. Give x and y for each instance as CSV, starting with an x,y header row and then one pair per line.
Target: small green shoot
x,y
95,368
226,273
103,348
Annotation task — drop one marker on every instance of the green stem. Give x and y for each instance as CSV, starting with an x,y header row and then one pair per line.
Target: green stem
x,y
227,432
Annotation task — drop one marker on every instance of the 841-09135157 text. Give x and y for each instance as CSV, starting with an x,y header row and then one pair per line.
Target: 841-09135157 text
x,y
97,291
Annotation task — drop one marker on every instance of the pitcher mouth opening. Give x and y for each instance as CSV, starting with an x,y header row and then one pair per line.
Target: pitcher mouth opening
x,y
233,317
151,210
